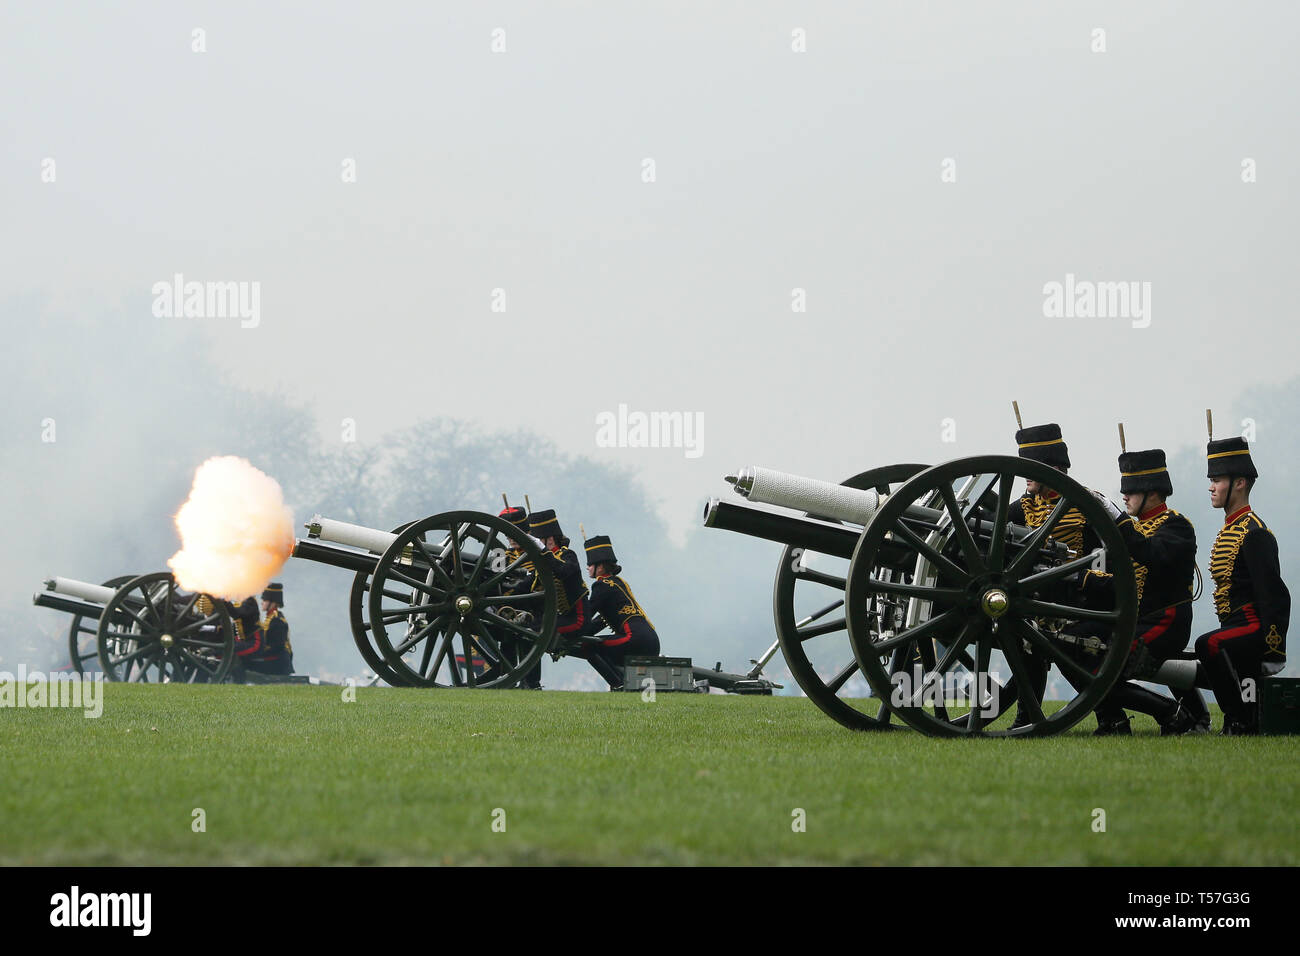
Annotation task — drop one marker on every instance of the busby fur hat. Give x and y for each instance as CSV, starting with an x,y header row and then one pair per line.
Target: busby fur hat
x,y
274,592
1141,471
544,524
1229,458
599,549
517,517
1043,443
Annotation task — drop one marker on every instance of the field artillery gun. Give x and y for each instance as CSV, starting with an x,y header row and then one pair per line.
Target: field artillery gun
x,y
417,589
146,629
911,575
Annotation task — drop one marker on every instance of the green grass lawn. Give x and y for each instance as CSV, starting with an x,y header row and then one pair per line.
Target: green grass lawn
x,y
295,775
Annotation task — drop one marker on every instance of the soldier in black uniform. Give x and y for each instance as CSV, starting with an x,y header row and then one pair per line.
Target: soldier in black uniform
x,y
561,562
277,654
248,633
1162,544
518,517
1250,598
1043,443
613,605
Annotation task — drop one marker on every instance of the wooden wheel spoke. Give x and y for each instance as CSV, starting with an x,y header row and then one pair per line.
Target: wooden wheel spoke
x,y
202,663
144,625
519,629
1053,653
424,661
195,625
488,644
415,583
457,571
443,646
482,558
1027,700
148,601
954,650
512,599
189,606
434,563
998,541
922,591
1067,611
975,716
1056,573
817,630
926,650
493,581
200,642
398,613
419,635
468,646
939,623
1041,535
970,551
842,678
820,577
940,563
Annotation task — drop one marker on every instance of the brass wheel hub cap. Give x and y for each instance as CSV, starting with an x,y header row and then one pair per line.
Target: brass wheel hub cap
x,y
995,602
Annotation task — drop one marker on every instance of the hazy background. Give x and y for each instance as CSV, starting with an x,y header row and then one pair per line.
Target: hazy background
x,y
522,170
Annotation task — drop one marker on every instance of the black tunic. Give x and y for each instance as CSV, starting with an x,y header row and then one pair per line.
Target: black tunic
x,y
1247,575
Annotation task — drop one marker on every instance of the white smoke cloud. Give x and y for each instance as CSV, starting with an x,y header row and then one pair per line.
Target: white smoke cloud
x,y
236,531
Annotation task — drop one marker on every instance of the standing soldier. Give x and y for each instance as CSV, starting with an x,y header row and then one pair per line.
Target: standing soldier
x,y
612,605
558,560
1250,598
278,652
1162,544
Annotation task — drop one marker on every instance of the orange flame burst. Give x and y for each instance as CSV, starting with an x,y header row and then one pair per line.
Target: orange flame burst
x,y
236,531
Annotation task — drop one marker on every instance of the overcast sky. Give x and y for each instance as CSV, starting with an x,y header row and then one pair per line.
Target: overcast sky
x,y
775,169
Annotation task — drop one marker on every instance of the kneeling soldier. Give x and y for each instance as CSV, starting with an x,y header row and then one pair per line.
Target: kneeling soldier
x,y
612,605
1043,443
559,561
1250,598
1162,544
277,655
518,517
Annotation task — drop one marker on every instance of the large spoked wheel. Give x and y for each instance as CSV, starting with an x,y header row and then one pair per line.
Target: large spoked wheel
x,y
808,606
83,638
361,627
985,586
152,632
438,603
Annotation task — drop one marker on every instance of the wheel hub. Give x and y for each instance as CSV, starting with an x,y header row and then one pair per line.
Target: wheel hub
x,y
464,605
995,602
167,640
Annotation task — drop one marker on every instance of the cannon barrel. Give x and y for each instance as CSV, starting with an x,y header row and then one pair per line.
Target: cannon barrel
x,y
352,535
847,504
354,547
71,587
814,496
767,486
811,534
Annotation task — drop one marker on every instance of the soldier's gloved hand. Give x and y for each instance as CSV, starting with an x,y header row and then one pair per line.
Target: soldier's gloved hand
x,y
1111,508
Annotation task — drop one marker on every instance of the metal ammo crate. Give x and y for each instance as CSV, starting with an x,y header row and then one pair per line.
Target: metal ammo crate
x,y
668,673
